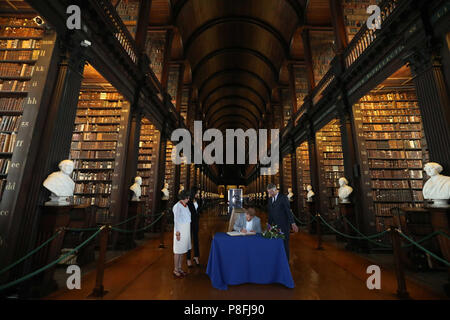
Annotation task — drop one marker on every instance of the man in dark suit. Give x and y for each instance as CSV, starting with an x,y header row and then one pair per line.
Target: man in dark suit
x,y
280,214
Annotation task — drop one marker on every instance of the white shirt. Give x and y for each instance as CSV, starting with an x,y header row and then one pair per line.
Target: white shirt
x,y
275,198
249,225
181,215
196,205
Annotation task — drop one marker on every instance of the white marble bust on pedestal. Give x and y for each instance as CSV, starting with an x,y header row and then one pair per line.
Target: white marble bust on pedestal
x,y
136,188
344,191
310,193
290,194
60,184
165,192
437,188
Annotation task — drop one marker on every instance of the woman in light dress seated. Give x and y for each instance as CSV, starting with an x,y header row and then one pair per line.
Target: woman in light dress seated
x,y
248,222
181,232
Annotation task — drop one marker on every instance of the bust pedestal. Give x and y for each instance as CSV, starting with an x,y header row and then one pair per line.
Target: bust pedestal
x,y
126,239
346,209
137,208
310,213
440,220
52,218
81,216
416,224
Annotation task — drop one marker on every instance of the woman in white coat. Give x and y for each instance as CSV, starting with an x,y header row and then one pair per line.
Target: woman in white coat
x,y
181,232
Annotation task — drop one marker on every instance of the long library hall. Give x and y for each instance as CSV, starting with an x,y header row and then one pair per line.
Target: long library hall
x,y
224,150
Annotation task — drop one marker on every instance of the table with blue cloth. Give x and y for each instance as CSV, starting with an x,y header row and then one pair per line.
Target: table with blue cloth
x,y
235,260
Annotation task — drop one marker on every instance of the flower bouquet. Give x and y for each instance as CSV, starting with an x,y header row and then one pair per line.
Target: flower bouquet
x,y
273,232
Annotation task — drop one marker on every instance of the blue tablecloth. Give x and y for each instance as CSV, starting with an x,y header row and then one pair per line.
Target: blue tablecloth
x,y
247,259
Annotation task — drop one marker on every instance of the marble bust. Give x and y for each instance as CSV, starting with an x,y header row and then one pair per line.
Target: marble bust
x,y
165,192
437,188
60,184
290,194
344,191
136,188
310,193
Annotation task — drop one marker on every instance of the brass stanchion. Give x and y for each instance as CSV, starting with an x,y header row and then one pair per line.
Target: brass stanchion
x,y
401,283
99,290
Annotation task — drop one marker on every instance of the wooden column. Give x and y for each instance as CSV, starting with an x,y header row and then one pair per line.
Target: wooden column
x,y
313,164
337,19
54,110
142,24
434,103
308,60
292,89
161,166
294,178
167,52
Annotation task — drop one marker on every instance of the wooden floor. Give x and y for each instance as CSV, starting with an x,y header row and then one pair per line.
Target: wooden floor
x,y
146,273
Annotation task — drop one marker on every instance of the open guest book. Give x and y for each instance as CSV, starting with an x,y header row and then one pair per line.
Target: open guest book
x,y
237,233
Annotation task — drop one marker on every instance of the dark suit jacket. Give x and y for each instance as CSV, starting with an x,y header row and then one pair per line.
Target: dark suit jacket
x,y
280,213
194,215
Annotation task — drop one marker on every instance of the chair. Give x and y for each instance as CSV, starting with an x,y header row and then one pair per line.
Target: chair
x,y
234,215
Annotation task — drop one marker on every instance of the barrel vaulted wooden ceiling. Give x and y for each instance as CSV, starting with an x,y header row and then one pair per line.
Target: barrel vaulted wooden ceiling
x,y
236,51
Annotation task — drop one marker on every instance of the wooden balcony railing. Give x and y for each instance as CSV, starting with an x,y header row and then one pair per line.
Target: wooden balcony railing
x,y
322,85
365,37
105,9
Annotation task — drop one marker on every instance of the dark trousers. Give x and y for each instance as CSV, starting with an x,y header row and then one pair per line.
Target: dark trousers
x,y
194,235
286,247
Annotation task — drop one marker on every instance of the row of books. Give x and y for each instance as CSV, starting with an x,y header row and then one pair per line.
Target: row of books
x,y
10,123
392,112
25,55
93,187
89,145
101,112
155,50
385,209
11,104
398,195
335,155
20,44
331,168
4,165
2,187
396,164
84,127
393,119
19,22
397,184
93,104
87,164
393,135
84,154
144,166
16,70
405,95
339,162
394,144
396,174
394,154
332,148
148,152
89,176
18,32
391,106
14,85
94,136
7,142
93,201
79,120
89,95
392,127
